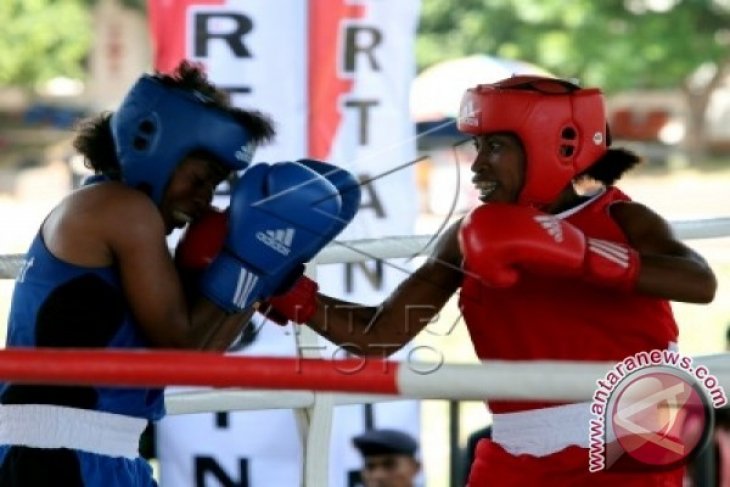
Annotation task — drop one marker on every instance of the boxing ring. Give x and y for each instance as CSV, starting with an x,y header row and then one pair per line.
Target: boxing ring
x,y
313,386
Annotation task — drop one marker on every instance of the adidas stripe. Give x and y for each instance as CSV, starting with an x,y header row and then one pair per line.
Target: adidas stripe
x,y
612,251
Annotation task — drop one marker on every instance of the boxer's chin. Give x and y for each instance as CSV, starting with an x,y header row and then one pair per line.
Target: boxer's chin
x,y
486,191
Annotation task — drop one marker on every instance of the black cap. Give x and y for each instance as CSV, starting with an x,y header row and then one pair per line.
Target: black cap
x,y
385,442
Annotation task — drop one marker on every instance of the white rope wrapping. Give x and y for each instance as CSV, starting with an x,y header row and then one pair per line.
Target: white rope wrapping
x,y
556,381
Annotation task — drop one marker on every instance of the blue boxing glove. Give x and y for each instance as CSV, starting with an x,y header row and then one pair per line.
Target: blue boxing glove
x,y
347,185
348,189
298,301
279,217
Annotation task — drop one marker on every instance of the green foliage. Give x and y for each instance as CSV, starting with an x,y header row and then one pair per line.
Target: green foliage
x,y
137,4
42,39
616,44
599,42
134,4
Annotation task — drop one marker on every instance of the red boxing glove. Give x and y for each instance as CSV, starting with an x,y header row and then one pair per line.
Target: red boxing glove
x,y
298,304
498,240
202,240
611,264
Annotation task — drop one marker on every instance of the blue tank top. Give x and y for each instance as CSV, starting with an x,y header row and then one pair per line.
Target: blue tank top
x,y
56,304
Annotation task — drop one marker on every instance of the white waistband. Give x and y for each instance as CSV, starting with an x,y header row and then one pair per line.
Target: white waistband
x,y
46,426
540,432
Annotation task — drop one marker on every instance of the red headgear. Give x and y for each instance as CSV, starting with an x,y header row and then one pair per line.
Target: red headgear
x,y
562,128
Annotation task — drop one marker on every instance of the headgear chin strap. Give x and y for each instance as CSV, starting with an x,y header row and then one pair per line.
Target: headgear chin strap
x,y
562,128
157,126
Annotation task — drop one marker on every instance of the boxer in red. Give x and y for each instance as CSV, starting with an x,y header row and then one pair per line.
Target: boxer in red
x,y
545,270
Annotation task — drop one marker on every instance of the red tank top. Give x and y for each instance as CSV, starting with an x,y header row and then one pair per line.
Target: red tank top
x,y
551,318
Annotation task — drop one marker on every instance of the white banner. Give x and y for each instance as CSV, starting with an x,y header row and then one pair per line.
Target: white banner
x,y
360,121
335,76
251,48
245,449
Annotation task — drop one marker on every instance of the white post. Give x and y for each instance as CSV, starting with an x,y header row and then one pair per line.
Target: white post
x,y
315,422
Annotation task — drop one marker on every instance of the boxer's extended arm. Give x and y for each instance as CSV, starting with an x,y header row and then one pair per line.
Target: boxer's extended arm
x,y
669,269
379,330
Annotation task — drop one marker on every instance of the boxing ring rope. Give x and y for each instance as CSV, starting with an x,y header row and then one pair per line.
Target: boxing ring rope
x,y
545,380
394,247
313,386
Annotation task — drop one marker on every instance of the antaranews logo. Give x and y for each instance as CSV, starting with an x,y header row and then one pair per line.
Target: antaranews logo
x,y
652,411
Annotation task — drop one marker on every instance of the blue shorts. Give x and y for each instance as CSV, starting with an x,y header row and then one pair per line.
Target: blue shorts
x,y
22,466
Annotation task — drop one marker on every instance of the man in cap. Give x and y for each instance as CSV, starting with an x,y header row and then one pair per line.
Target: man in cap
x,y
388,458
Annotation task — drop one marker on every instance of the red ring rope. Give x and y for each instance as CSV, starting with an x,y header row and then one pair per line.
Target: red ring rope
x,y
162,368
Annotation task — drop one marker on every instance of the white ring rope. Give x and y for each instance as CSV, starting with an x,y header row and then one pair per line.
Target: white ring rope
x,y
207,400
395,247
546,380
406,246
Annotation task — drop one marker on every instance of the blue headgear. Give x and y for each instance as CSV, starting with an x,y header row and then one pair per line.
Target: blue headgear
x,y
157,126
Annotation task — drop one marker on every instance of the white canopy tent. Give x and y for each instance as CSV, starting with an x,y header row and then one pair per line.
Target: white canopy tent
x,y
436,92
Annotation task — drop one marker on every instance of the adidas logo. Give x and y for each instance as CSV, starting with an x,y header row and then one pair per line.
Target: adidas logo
x,y
246,152
279,240
612,251
469,114
246,283
551,225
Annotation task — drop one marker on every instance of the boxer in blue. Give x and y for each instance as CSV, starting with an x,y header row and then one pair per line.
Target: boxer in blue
x,y
99,273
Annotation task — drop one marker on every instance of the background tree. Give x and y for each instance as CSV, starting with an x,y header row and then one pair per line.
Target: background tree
x,y
618,45
42,39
